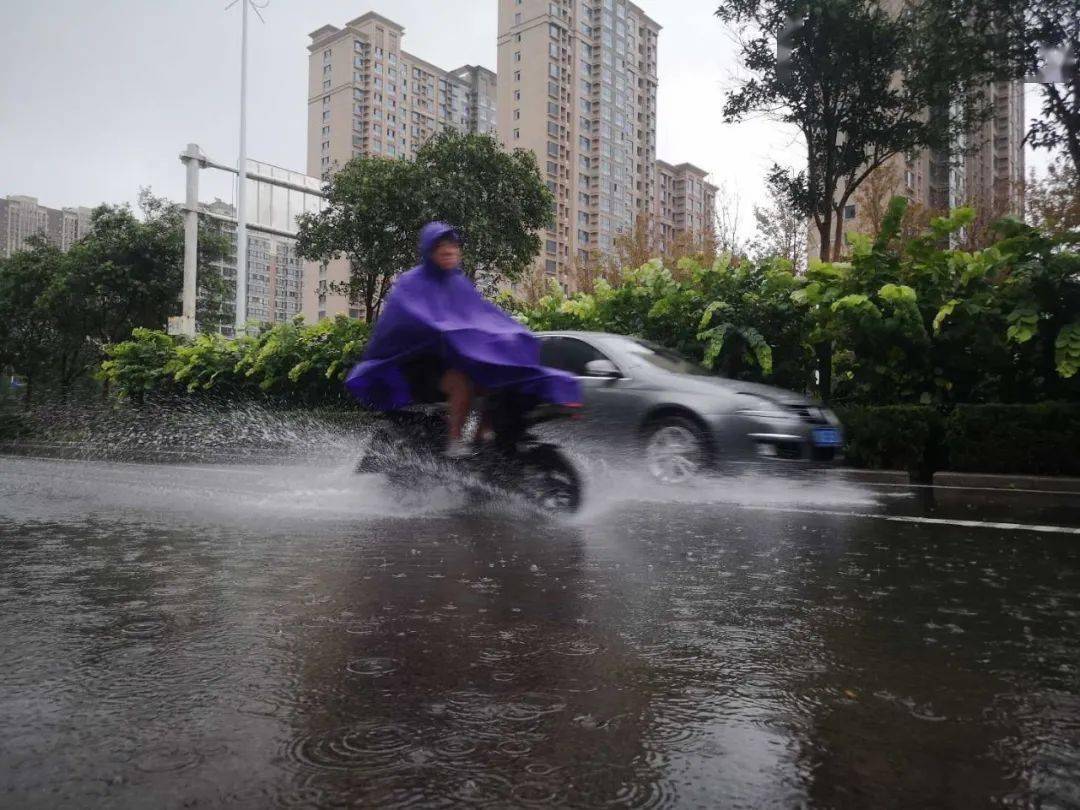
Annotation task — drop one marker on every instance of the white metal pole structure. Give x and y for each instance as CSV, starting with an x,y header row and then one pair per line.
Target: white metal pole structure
x,y
193,160
191,240
241,169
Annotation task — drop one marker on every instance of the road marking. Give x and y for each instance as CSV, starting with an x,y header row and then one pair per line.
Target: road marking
x,y
974,524
962,486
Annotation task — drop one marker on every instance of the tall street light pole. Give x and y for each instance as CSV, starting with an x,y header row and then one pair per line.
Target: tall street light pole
x,y
241,169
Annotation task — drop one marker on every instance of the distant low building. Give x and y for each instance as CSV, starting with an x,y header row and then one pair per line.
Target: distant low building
x,y
685,206
22,217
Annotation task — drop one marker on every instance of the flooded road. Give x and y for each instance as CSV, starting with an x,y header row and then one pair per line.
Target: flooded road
x,y
258,636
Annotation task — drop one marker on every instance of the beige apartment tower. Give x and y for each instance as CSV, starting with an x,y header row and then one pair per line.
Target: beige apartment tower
x,y
368,97
685,213
577,86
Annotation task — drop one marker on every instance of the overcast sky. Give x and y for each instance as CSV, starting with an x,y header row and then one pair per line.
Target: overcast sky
x,y
98,97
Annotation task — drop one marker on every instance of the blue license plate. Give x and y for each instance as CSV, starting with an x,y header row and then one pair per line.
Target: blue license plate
x,y
827,437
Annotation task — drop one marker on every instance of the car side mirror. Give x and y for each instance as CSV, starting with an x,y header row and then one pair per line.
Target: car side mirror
x,y
602,368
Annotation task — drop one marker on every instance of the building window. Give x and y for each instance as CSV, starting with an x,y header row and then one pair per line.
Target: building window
x,y
517,95
517,75
517,56
517,18
849,211
553,70
553,129
517,134
326,115
552,148
549,266
909,178
549,245
517,114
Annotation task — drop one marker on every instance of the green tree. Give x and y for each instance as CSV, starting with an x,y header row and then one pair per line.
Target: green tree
x,y
62,309
497,198
781,231
1035,25
128,271
1053,202
376,207
33,339
861,85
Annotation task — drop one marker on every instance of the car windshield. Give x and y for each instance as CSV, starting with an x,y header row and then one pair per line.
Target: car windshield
x,y
659,356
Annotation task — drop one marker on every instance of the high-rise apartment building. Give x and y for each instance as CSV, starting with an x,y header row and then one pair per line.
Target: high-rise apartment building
x,y
577,86
994,168
685,206
481,98
275,274
22,217
368,97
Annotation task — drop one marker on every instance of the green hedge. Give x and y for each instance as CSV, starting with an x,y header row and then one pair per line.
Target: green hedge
x,y
293,362
894,437
1041,439
14,425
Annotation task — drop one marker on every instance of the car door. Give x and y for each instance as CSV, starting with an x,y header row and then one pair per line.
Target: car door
x,y
611,404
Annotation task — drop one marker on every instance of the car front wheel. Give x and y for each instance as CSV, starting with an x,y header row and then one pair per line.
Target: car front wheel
x,y
675,450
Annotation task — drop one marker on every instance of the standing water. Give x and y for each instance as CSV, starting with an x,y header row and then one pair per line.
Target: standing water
x,y
289,634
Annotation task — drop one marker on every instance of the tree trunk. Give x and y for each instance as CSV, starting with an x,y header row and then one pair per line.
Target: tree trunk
x,y
825,237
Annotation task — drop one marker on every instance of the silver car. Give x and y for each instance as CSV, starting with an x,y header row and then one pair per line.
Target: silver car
x,y
683,417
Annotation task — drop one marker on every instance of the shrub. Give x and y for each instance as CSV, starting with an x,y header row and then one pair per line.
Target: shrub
x,y
289,362
209,363
1042,439
140,366
304,363
891,437
14,425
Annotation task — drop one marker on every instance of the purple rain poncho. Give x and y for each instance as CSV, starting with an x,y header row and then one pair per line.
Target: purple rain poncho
x,y
437,314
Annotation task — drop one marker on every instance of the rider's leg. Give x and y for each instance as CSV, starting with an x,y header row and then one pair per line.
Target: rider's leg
x,y
458,390
485,431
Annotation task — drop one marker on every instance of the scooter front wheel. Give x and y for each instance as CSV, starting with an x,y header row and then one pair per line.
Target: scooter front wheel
x,y
549,481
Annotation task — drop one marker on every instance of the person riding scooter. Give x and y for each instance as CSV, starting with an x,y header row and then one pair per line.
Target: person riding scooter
x,y
438,335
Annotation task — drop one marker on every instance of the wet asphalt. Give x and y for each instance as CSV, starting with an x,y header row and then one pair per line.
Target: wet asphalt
x,y
259,635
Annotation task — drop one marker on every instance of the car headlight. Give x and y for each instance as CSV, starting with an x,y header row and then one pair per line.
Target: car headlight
x,y
764,409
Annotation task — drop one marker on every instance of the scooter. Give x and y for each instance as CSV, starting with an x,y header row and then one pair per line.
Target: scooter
x,y
407,448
